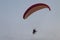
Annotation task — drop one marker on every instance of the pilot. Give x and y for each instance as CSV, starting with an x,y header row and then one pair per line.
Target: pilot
x,y
34,31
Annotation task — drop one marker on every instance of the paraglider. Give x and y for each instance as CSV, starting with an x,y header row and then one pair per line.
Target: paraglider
x,y
34,8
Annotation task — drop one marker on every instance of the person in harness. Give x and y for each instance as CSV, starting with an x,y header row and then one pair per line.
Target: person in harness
x,y
34,31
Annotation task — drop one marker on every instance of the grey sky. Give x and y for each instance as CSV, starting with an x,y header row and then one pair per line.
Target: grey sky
x,y
14,27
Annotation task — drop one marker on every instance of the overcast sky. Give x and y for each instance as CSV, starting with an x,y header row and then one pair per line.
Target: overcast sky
x,y
14,27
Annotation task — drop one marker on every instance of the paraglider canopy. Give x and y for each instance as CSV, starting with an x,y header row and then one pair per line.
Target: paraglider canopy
x,y
34,8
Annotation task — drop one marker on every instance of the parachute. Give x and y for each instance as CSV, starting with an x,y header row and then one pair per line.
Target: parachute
x,y
34,8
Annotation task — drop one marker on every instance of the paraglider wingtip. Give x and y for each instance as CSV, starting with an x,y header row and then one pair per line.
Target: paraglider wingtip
x,y
24,18
49,8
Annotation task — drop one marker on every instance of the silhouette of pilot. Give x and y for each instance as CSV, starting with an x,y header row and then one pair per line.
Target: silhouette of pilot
x,y
34,31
